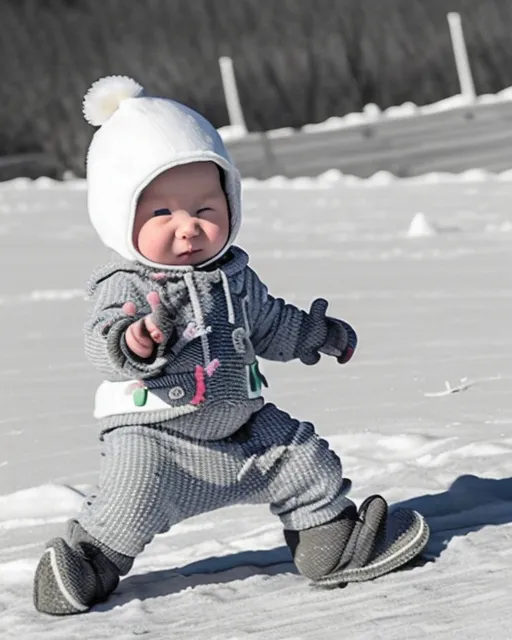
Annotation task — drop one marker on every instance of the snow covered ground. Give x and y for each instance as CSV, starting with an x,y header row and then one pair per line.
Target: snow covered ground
x,y
428,310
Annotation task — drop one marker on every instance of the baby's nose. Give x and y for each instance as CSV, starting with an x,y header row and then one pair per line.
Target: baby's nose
x,y
186,226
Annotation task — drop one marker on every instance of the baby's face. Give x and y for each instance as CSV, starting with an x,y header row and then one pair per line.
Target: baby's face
x,y
182,216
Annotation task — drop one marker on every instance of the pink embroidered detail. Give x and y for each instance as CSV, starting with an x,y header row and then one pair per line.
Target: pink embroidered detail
x,y
190,331
136,384
193,331
199,395
161,275
212,367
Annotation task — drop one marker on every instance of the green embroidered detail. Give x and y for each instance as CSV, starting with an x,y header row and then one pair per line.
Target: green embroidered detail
x,y
140,396
256,379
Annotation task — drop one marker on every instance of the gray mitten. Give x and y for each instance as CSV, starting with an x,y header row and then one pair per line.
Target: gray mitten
x,y
341,341
322,334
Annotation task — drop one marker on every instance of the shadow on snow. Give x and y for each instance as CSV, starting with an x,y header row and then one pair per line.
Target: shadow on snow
x,y
470,504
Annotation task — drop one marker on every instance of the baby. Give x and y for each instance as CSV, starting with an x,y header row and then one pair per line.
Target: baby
x,y
177,322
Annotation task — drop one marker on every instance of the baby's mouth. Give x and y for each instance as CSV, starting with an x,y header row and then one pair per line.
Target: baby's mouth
x,y
188,252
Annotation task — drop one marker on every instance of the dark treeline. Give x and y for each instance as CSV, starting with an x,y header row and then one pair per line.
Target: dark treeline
x,y
297,61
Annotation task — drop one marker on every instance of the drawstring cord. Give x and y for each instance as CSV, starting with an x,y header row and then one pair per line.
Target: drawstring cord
x,y
198,315
227,295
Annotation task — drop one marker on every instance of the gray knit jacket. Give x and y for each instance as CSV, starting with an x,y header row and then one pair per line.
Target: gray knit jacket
x,y
216,322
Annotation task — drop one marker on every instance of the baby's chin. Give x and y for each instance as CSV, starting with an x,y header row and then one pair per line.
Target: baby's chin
x,y
181,260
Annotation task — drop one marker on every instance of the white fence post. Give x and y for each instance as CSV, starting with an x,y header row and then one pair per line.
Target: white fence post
x,y
236,115
467,87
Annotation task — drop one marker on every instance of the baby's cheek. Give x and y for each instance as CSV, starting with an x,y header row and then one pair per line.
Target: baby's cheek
x,y
216,234
141,226
151,241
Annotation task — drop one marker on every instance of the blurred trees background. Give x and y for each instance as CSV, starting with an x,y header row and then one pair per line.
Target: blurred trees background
x,y
296,61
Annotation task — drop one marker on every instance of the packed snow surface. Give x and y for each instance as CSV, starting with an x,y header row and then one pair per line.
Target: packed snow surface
x,y
422,414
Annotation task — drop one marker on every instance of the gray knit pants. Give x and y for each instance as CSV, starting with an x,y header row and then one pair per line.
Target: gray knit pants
x,y
152,478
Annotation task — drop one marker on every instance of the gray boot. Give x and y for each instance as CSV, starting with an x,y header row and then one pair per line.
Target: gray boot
x,y
358,545
70,578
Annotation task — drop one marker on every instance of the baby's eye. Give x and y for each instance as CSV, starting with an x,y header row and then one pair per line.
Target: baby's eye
x,y
203,210
162,212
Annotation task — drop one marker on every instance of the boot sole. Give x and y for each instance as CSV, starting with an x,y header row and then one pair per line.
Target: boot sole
x,y
396,552
50,593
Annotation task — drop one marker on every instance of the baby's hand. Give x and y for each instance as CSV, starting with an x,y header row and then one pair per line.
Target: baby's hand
x,y
143,335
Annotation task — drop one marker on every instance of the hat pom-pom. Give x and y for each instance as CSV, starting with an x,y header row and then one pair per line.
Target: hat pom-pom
x,y
105,95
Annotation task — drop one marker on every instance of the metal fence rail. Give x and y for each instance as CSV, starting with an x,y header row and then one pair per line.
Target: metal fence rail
x,y
296,62
464,138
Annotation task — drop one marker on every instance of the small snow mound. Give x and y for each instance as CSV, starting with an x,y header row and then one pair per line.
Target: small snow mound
x,y
17,183
284,132
40,502
404,110
331,124
505,94
44,182
372,111
505,176
332,176
381,178
420,227
476,175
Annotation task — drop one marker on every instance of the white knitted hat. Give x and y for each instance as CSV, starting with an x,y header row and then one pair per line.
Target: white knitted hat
x,y
139,137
